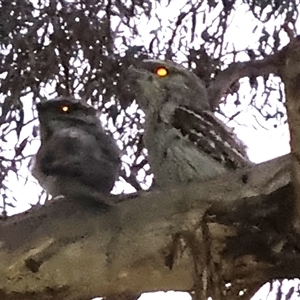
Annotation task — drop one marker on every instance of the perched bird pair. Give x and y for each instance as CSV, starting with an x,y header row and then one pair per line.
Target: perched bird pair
x,y
185,141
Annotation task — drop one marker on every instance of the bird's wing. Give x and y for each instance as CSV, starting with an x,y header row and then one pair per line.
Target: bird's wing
x,y
212,136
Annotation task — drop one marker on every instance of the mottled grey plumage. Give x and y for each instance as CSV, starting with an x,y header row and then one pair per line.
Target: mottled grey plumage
x,y
185,141
76,158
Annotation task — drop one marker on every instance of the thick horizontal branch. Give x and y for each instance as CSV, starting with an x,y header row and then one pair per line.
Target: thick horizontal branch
x,y
72,250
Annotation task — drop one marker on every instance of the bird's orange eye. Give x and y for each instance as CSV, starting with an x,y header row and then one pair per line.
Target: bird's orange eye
x,y
161,72
65,108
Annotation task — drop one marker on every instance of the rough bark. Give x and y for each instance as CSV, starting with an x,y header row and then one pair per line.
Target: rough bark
x,y
234,228
290,74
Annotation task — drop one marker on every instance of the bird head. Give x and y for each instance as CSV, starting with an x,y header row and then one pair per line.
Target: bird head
x,y
156,82
57,113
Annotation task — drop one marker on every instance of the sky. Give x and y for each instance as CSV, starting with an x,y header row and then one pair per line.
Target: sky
x,y
265,140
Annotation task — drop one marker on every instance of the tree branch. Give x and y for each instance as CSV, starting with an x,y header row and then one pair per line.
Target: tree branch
x,y
290,74
70,250
235,71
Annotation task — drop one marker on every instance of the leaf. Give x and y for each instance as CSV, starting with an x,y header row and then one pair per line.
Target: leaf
x,y
20,148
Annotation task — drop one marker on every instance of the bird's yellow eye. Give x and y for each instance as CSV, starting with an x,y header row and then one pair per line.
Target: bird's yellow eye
x,y
65,108
161,72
